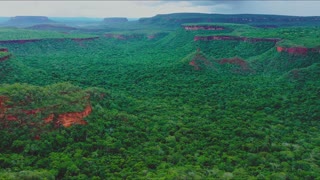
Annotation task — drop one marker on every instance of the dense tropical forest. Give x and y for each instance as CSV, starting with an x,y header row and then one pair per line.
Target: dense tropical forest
x,y
160,100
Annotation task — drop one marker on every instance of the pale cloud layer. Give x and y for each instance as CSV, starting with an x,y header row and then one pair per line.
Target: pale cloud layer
x,y
135,9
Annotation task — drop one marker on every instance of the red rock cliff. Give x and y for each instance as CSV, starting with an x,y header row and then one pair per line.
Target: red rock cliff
x,y
70,118
4,50
297,50
236,61
4,58
65,119
2,106
235,38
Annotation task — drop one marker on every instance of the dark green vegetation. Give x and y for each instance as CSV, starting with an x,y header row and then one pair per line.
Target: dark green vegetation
x,y
17,34
250,19
155,116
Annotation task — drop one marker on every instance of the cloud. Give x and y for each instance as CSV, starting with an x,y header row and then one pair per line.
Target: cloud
x,y
134,9
95,8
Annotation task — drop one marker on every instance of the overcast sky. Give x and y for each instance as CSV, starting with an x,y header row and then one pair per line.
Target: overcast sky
x,y
136,9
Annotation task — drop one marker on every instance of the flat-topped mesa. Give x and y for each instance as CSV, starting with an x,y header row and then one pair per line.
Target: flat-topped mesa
x,y
235,38
202,27
297,50
115,20
29,19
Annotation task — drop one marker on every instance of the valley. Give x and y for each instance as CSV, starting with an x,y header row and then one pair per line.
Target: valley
x,y
167,97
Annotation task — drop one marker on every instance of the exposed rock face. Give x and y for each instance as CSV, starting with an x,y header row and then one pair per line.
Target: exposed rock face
x,y
199,60
202,27
115,20
4,50
5,58
235,38
297,50
2,106
65,119
70,118
244,67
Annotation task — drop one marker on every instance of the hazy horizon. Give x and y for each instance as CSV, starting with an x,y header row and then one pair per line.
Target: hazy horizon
x,y
140,9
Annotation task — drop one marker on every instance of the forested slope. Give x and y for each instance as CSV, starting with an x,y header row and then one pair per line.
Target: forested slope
x,y
169,107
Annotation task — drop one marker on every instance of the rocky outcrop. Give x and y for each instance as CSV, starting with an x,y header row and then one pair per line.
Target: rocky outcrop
x,y
2,106
244,67
297,50
199,61
4,50
4,54
115,20
202,27
6,57
70,118
64,119
235,38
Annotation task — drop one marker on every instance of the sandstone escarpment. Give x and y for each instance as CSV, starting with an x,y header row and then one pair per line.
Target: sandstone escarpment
x,y
29,20
70,118
235,38
202,27
4,54
4,50
64,119
297,50
199,61
236,61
